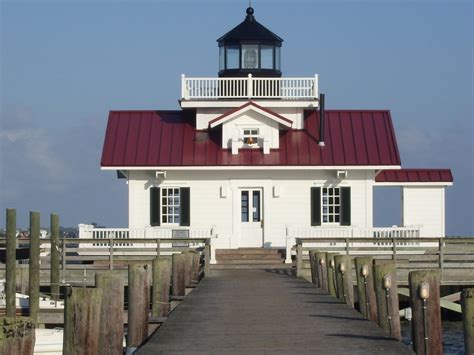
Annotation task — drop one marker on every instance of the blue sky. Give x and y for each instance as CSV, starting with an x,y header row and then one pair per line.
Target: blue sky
x,y
65,64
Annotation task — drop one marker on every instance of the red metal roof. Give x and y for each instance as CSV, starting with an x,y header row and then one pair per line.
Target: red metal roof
x,y
169,138
415,175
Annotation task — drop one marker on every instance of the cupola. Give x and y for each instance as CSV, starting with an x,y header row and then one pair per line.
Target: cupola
x,y
249,48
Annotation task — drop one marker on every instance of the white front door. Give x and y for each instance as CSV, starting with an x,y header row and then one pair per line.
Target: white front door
x,y
251,218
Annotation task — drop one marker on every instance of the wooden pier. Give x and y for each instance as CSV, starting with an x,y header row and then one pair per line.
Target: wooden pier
x,y
266,311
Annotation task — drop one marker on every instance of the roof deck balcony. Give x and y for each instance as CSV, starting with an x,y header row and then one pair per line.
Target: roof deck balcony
x,y
302,91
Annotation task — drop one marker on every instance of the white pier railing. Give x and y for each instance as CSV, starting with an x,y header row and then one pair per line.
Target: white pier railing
x,y
380,235
249,88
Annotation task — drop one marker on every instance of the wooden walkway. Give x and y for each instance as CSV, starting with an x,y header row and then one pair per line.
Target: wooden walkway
x,y
259,311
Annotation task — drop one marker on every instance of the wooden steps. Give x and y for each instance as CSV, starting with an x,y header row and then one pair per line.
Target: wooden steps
x,y
249,258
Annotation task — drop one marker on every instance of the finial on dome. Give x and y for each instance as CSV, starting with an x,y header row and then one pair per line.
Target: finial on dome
x,y
249,12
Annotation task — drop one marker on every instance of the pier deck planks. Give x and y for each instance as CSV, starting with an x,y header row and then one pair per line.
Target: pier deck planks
x,y
266,311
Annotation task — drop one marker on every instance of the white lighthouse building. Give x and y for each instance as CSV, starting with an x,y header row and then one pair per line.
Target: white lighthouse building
x,y
253,158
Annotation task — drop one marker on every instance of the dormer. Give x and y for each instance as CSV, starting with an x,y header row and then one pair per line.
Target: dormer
x,y
250,126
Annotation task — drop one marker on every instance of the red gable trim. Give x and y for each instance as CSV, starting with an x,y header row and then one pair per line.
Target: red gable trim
x,y
218,120
415,175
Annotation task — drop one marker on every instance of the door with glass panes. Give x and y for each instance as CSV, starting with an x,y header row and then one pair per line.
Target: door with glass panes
x,y
251,217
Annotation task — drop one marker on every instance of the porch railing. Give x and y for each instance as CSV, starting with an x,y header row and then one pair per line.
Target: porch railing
x,y
377,235
249,88
142,238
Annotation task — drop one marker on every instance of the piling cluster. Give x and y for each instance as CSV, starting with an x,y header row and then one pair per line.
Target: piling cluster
x,y
94,317
378,296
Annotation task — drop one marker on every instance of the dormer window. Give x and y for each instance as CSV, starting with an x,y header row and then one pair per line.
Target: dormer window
x,y
250,136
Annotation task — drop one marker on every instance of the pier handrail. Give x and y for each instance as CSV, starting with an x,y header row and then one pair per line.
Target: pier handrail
x,y
447,252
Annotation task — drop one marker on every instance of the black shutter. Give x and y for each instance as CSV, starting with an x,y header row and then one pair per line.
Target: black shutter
x,y
315,206
184,208
154,206
345,206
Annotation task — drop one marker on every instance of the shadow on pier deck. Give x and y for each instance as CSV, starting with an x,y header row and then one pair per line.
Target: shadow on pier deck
x,y
266,311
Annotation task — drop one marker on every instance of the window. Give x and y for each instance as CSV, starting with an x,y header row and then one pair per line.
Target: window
x,y
266,55
221,58
331,205
277,58
250,136
170,205
245,206
232,57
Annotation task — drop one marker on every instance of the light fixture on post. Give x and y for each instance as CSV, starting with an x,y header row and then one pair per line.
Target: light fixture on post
x,y
342,269
424,293
365,273
387,285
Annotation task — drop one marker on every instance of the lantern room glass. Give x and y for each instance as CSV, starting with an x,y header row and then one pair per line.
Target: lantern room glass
x,y
250,56
266,57
232,57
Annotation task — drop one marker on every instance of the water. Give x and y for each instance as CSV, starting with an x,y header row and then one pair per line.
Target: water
x,y
453,337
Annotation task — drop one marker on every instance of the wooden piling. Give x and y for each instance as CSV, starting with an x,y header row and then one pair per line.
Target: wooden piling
x,y
387,298
188,268
365,287
331,274
320,259
111,312
54,256
467,304
196,266
207,258
299,259
10,272
345,291
313,268
17,335
161,286
426,324
178,266
22,278
34,279
82,321
138,303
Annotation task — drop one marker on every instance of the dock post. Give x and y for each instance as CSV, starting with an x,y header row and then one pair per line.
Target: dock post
x,y
138,304
385,285
111,312
188,268
331,274
82,321
161,270
320,260
299,258
467,304
54,257
34,277
365,287
178,266
207,257
196,266
10,272
313,267
425,304
345,291
17,335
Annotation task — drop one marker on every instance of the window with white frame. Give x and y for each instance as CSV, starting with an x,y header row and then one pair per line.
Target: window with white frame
x,y
250,136
170,203
331,205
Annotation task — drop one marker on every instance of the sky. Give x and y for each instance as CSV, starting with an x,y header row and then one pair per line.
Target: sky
x,y
65,64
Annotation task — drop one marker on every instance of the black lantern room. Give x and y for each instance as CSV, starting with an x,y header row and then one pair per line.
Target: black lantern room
x,y
249,48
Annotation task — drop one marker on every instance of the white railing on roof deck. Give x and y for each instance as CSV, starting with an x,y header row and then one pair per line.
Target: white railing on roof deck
x,y
377,233
249,88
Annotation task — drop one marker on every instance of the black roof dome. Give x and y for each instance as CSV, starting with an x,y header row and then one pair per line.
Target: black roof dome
x,y
249,48
250,30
